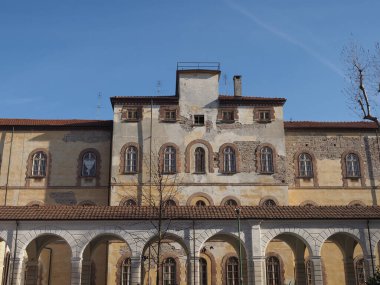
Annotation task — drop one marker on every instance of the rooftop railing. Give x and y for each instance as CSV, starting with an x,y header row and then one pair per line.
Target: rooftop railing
x,y
185,65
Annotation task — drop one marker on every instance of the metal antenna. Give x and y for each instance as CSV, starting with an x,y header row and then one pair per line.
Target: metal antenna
x,y
225,83
99,105
158,85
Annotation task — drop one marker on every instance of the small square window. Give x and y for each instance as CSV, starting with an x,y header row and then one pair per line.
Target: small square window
x,y
131,114
199,120
170,115
264,116
228,116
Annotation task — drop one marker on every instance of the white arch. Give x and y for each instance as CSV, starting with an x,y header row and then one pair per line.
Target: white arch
x,y
301,234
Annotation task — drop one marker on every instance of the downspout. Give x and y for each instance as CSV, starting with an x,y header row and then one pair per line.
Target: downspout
x,y
9,167
194,252
14,253
370,248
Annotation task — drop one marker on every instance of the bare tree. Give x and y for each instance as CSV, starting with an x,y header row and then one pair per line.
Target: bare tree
x,y
363,75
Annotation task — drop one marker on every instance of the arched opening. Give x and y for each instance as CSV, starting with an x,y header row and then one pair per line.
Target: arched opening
x,y
47,261
5,258
106,260
342,260
170,261
221,252
287,261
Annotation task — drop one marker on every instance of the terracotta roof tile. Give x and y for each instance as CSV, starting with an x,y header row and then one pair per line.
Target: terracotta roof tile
x,y
248,100
187,213
330,125
69,123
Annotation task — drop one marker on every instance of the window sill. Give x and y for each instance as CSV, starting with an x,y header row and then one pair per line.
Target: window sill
x,y
266,173
199,173
305,177
130,173
229,173
264,121
169,173
131,120
226,122
353,177
168,120
37,177
198,125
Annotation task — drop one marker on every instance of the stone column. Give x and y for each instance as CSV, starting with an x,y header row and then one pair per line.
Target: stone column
x,y
193,276
317,270
15,272
31,273
76,270
259,270
369,266
86,272
135,270
300,271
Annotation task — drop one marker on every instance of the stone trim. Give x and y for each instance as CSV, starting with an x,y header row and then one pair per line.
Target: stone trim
x,y
208,256
125,199
79,167
225,199
118,267
29,167
258,158
190,157
282,268
192,198
177,157
126,109
221,158
122,161
177,268
224,266
219,118
265,198
297,177
163,109
175,200
344,169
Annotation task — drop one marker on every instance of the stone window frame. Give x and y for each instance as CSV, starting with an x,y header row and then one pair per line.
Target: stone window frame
x,y
98,166
355,262
345,178
208,256
126,109
234,111
126,199
221,158
308,203
162,158
356,203
258,110
29,167
171,202
177,268
123,158
119,265
297,177
168,108
266,198
281,265
199,196
225,199
258,158
309,270
189,155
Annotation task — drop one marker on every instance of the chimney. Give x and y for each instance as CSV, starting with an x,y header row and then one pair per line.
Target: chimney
x,y
237,85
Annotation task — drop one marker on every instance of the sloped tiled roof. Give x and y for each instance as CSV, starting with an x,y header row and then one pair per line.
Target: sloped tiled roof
x,y
69,123
362,125
188,213
248,100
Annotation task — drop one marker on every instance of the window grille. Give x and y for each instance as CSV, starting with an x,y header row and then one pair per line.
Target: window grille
x,y
89,164
229,160
232,271
131,160
359,272
170,160
169,272
200,163
202,271
126,272
273,270
267,160
39,164
305,165
230,202
352,165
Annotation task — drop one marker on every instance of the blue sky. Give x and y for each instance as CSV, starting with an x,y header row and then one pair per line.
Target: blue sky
x,y
56,56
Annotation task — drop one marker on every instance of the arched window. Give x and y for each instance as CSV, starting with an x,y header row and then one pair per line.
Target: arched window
x,y
309,272
39,164
130,203
89,164
131,160
170,160
305,165
273,270
269,203
203,271
359,272
6,262
125,272
232,271
266,159
170,203
199,159
352,165
169,272
229,160
200,203
230,202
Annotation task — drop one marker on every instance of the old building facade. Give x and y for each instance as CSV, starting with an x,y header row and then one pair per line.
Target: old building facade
x,y
245,197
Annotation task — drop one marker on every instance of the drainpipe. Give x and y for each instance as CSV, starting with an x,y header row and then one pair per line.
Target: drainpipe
x,y
14,253
370,248
9,166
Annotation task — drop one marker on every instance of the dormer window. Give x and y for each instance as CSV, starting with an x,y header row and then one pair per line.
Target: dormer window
x,y
199,120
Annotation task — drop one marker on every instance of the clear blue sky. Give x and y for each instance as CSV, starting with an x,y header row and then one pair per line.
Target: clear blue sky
x,y
56,56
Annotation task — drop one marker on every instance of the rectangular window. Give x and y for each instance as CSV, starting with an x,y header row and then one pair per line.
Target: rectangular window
x,y
199,120
264,116
170,115
131,114
228,116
